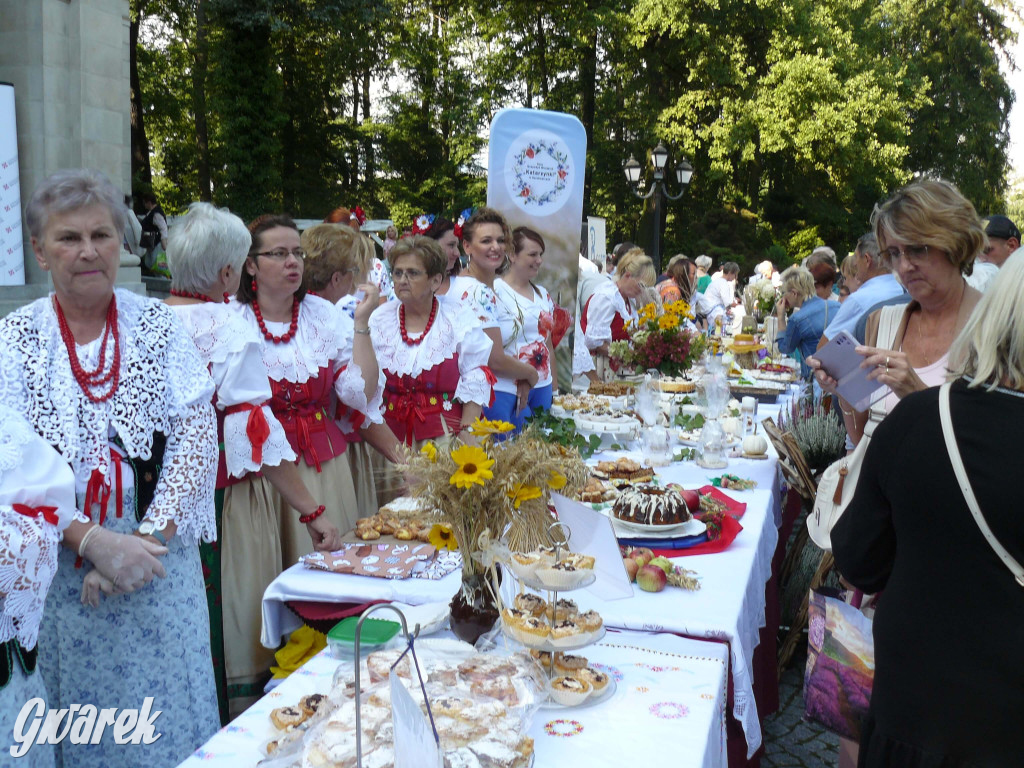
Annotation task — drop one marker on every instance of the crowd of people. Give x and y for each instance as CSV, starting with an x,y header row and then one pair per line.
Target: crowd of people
x,y
169,459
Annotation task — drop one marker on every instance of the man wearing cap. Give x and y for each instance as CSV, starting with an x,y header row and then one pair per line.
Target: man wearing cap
x,y
1003,239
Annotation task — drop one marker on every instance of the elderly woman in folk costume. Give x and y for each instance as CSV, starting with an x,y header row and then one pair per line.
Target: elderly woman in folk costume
x,y
206,252
432,352
113,381
337,261
312,353
37,502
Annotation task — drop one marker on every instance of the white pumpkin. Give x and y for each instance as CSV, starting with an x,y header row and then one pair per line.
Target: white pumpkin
x,y
733,426
755,445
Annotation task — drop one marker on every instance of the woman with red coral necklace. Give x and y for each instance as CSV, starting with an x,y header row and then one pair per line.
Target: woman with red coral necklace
x,y
432,352
311,353
112,381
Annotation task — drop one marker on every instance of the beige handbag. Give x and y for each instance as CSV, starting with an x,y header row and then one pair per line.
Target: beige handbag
x,y
839,480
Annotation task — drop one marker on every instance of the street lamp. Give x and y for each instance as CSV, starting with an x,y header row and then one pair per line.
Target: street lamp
x,y
659,159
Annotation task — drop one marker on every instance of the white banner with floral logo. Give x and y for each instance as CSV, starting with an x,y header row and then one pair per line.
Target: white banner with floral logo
x,y
536,164
12,258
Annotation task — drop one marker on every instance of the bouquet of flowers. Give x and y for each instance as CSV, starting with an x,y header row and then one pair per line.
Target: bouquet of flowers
x,y
759,298
661,342
498,489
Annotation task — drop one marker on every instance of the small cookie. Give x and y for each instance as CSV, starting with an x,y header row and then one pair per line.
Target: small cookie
x,y
310,704
287,717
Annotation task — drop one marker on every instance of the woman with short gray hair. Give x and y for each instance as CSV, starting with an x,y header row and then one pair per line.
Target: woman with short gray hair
x,y
206,252
112,380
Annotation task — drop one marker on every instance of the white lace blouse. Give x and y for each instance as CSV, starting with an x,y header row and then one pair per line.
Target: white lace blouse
x,y
454,331
232,352
32,475
323,339
164,387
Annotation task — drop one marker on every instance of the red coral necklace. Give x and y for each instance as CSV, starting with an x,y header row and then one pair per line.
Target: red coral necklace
x,y
285,338
426,329
95,379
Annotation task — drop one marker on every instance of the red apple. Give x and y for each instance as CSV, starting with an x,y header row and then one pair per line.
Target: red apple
x,y
692,499
651,578
642,555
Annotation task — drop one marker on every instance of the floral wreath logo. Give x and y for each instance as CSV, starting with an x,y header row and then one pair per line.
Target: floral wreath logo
x,y
525,189
669,710
565,729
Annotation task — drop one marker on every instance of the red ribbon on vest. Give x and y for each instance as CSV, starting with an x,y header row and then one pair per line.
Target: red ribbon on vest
x,y
97,491
256,428
49,513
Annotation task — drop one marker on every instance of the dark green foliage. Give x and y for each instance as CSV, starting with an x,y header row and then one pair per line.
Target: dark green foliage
x,y
798,115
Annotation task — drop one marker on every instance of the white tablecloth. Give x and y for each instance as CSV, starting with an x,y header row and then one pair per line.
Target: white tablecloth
x,y
669,704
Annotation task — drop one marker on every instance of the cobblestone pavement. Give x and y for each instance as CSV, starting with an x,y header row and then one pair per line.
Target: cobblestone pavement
x,y
790,742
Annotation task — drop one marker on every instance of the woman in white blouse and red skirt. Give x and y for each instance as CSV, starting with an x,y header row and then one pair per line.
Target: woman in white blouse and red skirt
x,y
311,353
432,353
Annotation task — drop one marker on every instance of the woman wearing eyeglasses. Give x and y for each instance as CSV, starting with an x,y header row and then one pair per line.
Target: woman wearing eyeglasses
x,y
432,352
310,352
608,305
931,234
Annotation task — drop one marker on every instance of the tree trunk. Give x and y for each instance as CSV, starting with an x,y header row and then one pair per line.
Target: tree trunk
x,y
141,169
368,158
199,72
542,47
588,88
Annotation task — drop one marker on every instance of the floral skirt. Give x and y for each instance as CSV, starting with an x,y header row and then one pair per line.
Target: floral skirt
x,y
21,689
154,642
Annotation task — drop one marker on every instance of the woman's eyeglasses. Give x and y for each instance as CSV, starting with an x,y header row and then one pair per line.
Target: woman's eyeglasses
x,y
913,253
397,275
283,253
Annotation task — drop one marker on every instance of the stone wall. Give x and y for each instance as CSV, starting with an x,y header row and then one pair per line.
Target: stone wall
x,y
68,61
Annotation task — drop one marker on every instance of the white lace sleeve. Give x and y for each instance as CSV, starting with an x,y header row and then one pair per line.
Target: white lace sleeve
x,y
28,562
349,384
184,490
34,475
474,350
241,381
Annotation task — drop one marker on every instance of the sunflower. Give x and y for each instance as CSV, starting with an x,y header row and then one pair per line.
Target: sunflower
x,y
521,492
430,451
557,481
442,537
482,427
474,466
678,307
668,321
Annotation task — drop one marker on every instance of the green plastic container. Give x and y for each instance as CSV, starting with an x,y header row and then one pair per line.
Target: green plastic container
x,y
375,633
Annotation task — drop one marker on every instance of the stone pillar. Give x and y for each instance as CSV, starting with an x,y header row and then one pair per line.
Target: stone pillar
x,y
68,61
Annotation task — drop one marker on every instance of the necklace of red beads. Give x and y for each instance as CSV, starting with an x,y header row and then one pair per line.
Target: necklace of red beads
x,y
95,379
426,329
284,338
199,296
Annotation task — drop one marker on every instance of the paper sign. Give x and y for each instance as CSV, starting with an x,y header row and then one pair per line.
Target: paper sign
x,y
414,738
12,260
593,534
